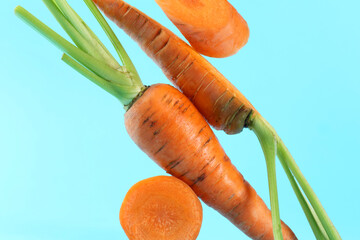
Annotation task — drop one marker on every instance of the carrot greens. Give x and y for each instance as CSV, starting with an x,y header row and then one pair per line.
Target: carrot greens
x,y
319,211
310,214
89,57
319,221
114,40
268,144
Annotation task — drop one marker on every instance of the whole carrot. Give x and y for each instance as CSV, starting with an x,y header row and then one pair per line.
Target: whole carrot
x,y
222,104
212,27
161,208
164,124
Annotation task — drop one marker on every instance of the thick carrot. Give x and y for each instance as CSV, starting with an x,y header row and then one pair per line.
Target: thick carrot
x,y
212,27
217,99
171,131
161,208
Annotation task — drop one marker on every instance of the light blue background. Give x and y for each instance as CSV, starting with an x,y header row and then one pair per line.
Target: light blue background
x,y
66,161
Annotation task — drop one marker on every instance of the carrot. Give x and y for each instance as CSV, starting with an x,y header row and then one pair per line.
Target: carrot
x,y
223,105
161,208
212,27
171,131
164,124
217,99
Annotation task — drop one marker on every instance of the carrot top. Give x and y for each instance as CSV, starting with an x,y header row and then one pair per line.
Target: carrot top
x,y
89,57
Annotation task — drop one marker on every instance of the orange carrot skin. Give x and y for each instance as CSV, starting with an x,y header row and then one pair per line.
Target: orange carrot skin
x,y
171,131
161,208
223,105
212,27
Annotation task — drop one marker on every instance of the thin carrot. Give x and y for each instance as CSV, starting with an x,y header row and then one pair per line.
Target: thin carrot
x,y
212,27
169,128
223,105
161,208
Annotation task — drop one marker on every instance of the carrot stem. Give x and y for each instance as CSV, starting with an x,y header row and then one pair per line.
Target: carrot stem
x,y
310,214
284,154
86,32
126,89
77,38
96,65
124,57
315,212
268,144
106,85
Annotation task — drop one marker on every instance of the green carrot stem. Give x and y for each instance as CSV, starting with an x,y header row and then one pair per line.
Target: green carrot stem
x,y
121,79
310,214
124,57
106,85
287,160
77,38
284,154
268,144
85,31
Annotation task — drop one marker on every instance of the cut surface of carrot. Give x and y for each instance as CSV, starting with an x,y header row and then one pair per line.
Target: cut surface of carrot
x,y
212,27
161,208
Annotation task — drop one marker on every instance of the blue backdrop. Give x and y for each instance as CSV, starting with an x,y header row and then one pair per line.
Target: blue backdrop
x,y
66,161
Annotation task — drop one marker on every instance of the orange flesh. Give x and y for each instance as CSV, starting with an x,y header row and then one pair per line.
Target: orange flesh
x,y
212,27
200,13
161,208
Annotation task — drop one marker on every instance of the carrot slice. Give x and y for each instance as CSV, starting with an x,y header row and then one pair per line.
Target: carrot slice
x,y
161,208
212,27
